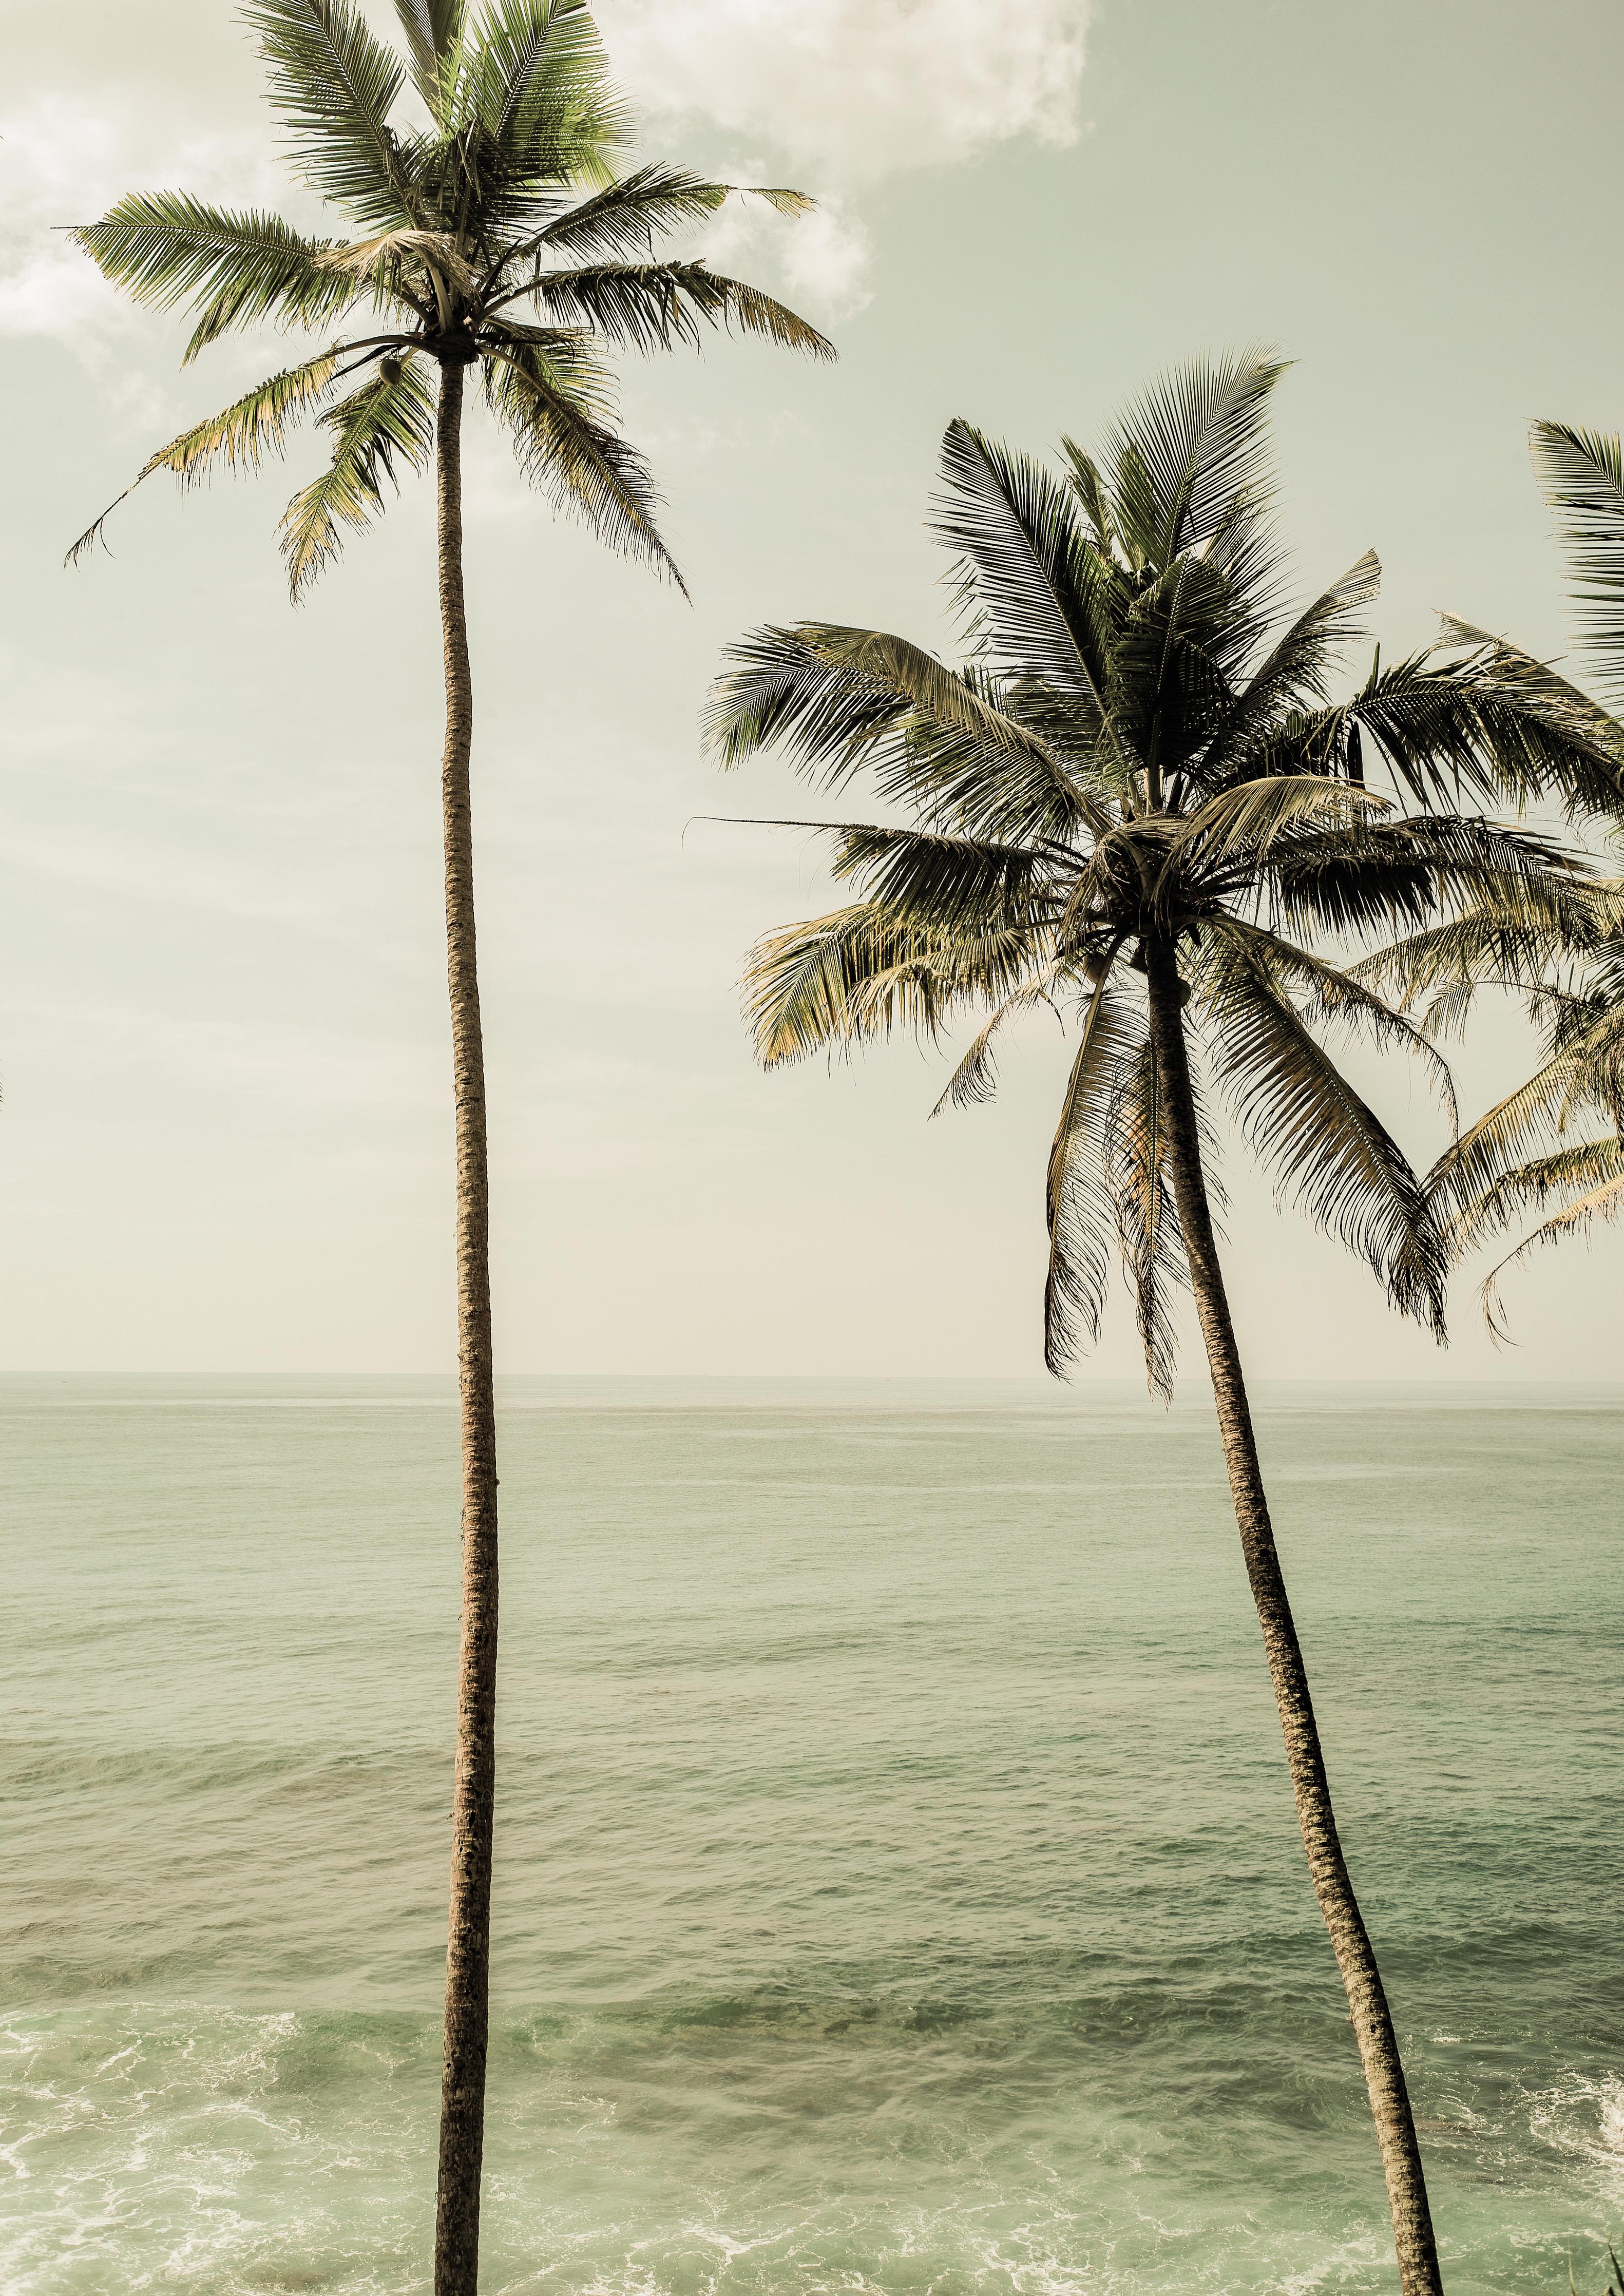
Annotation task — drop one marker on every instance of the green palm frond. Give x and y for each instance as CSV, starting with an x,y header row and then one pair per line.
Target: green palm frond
x,y
840,980
1604,1203
1382,873
948,884
165,249
1519,941
1087,481
535,82
335,84
837,699
1571,1171
1078,1203
660,306
624,220
1292,677
389,418
1148,1234
784,689
1329,1152
238,436
1192,471
1528,1118
553,415
1245,822
1332,994
1545,737
975,1078
433,30
1032,593
1582,474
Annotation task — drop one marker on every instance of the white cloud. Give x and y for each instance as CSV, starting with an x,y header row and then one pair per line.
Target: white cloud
x,y
860,87
64,159
852,91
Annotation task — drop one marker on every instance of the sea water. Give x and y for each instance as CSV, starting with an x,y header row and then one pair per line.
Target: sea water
x,y
898,1887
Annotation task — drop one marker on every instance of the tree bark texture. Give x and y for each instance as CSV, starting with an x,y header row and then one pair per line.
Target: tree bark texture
x,y
462,2128
1406,2192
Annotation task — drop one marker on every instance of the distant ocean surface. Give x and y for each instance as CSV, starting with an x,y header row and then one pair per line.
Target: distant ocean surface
x,y
898,1887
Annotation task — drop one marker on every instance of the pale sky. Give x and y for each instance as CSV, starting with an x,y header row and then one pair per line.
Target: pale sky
x,y
225,1139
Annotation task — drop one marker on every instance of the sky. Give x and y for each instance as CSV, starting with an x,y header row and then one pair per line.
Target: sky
x,y
225,1135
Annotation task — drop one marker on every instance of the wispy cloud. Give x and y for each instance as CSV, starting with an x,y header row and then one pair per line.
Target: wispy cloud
x,y
858,87
65,158
846,94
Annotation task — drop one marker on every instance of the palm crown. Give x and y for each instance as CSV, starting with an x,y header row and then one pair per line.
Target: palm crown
x,y
497,234
1136,763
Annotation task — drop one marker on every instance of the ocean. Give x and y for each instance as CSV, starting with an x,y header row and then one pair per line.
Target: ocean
x,y
897,1888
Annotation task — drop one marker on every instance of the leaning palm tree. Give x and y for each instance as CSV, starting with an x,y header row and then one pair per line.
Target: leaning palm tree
x,y
1136,803
1555,1146
492,234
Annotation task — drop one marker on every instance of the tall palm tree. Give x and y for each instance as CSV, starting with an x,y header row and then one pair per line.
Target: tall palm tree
x,y
1135,801
1555,1146
489,233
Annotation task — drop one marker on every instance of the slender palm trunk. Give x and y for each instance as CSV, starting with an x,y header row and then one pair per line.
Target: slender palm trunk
x,y
1406,2191
462,2126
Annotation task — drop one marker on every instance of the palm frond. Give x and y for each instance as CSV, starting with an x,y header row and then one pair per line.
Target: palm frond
x,y
1467,1175
1293,676
624,220
1578,1167
1191,470
1244,822
1330,1153
1605,1203
823,714
945,884
238,436
389,418
840,980
1078,1202
1037,597
1508,943
1148,1232
335,84
1388,873
1545,737
1582,475
553,414
433,30
975,1078
165,249
534,79
660,306
1335,994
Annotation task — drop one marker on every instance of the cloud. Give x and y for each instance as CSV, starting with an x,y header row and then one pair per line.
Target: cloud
x,y
853,91
861,87
65,158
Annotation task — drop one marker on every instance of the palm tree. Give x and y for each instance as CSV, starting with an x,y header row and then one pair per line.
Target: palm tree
x,y
1136,801
1521,1155
500,199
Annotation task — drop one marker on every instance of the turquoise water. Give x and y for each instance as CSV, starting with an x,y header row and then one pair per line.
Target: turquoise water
x,y
898,1885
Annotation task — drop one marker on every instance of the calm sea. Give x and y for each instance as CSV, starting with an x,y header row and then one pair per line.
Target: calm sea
x,y
898,1885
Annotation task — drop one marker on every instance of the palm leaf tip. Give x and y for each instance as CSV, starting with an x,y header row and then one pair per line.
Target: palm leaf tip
x,y
1581,472
238,435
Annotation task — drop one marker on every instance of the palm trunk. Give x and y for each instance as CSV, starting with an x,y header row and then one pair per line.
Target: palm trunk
x,y
461,2127
1406,2192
